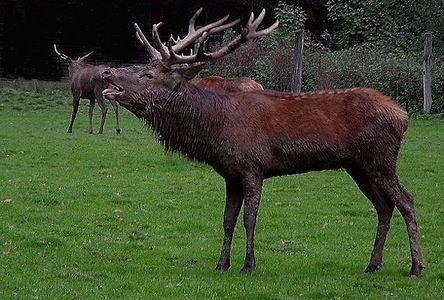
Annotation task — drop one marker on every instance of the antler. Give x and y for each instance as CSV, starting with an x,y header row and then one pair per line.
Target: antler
x,y
169,53
250,32
82,58
193,34
62,56
153,53
66,57
162,48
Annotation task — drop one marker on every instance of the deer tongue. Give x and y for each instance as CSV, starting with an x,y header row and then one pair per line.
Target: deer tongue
x,y
111,92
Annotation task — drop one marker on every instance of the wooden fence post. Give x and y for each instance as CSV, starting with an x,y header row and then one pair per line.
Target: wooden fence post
x,y
296,82
427,73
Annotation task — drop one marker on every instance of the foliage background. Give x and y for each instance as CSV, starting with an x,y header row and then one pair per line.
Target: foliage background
x,y
370,45
373,43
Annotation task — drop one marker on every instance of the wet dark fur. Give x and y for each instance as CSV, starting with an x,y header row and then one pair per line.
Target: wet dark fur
x,y
249,136
203,118
200,125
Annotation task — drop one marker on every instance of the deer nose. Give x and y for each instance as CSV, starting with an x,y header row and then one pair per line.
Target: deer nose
x,y
106,73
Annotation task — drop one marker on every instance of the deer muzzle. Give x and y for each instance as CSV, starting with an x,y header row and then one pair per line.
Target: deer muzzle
x,y
113,89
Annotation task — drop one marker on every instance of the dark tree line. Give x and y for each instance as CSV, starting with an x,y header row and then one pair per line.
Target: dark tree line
x,y
28,28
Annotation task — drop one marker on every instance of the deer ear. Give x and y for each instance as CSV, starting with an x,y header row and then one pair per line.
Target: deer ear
x,y
162,68
189,72
172,77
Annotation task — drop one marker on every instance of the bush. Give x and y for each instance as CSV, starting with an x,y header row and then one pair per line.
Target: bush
x,y
240,63
397,74
438,85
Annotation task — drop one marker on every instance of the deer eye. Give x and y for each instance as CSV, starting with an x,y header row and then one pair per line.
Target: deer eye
x,y
148,75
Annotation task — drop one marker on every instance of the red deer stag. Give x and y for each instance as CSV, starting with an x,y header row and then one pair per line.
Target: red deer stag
x,y
250,136
87,83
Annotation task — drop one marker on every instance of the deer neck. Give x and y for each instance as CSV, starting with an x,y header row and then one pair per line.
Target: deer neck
x,y
189,120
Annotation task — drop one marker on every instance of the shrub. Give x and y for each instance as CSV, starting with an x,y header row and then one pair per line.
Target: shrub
x,y
240,63
397,74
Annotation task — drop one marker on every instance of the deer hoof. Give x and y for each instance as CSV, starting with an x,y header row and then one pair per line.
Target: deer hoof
x,y
373,268
416,271
247,269
222,267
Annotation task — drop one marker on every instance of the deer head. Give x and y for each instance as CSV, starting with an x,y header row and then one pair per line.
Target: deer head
x,y
72,62
168,66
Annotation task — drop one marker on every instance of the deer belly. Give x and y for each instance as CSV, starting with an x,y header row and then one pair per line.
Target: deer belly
x,y
304,156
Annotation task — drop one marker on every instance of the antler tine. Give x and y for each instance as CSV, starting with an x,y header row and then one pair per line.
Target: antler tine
x,y
153,53
162,48
256,24
84,56
191,27
174,40
193,34
223,27
247,34
251,19
139,38
182,59
178,59
259,19
266,30
62,56
200,55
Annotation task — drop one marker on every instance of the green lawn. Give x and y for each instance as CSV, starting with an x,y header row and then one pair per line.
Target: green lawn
x,y
107,216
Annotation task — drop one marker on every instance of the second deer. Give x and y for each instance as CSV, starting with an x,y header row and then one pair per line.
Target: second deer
x,y
87,83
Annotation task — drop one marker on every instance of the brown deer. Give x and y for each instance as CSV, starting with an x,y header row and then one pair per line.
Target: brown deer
x,y
87,83
229,85
250,136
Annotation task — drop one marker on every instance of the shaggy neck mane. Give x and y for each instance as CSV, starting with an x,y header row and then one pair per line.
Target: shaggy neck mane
x,y
188,120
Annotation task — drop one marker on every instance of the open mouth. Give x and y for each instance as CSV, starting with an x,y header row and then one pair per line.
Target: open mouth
x,y
112,91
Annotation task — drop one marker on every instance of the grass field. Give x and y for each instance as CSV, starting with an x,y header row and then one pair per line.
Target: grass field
x,y
107,216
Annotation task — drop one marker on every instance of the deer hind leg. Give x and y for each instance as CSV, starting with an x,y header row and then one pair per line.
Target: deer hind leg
x,y
385,212
101,103
233,205
116,110
75,108
384,208
92,102
405,204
